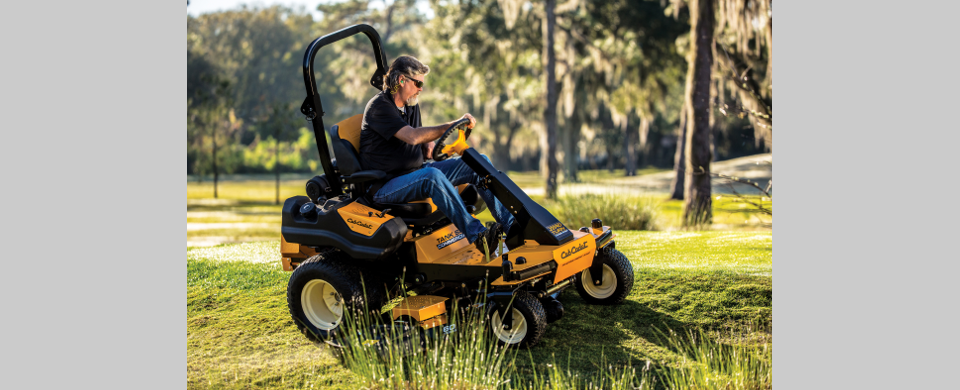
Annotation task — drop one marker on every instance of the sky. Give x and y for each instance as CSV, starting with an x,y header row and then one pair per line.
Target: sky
x,y
198,7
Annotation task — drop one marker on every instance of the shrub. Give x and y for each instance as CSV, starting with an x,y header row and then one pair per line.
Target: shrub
x,y
618,212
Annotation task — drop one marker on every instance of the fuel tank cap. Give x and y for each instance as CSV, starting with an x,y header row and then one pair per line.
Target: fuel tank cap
x,y
308,210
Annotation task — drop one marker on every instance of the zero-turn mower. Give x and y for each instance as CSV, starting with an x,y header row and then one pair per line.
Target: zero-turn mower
x,y
347,252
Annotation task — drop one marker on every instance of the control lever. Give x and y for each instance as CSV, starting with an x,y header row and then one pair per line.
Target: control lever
x,y
380,214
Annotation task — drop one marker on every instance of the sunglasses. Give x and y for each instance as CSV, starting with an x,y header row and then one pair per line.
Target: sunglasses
x,y
418,83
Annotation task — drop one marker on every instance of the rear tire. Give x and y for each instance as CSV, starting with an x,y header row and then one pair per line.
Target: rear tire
x,y
322,288
617,279
529,322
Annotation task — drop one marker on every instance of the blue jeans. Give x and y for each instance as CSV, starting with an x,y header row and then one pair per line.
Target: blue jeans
x,y
436,181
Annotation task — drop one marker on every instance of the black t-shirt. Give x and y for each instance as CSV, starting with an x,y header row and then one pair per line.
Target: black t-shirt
x,y
379,149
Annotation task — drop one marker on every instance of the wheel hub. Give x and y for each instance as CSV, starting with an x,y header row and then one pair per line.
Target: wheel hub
x,y
603,290
322,304
517,332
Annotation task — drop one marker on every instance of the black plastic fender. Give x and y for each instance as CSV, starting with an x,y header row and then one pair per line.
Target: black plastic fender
x,y
326,228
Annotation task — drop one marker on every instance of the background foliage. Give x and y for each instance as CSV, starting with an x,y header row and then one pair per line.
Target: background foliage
x,y
620,69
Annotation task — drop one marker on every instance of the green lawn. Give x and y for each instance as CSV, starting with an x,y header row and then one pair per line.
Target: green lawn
x,y
239,334
246,211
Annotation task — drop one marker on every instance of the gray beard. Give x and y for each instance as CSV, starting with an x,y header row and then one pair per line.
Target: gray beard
x,y
413,100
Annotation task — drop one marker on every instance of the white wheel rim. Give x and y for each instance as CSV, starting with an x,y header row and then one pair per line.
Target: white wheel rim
x,y
514,335
322,304
605,289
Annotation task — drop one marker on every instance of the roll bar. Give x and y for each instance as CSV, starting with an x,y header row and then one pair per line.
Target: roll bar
x,y
312,107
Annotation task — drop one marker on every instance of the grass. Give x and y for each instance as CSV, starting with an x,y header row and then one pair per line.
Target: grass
x,y
248,188
717,285
245,212
237,335
701,309
606,176
708,364
467,359
729,212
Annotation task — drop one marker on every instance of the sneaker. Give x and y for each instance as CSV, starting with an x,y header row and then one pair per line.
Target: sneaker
x,y
489,241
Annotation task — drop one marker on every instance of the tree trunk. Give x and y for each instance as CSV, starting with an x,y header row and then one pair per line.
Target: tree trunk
x,y
629,148
697,208
606,122
501,154
215,171
768,79
499,147
198,167
610,166
276,164
680,157
506,153
549,141
644,134
571,149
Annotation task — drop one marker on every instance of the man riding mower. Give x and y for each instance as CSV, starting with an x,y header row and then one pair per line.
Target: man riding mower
x,y
349,243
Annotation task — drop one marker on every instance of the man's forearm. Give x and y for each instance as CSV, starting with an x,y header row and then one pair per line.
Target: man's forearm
x,y
422,135
431,133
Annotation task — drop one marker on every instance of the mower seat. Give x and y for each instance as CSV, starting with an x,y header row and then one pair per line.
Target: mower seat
x,y
345,137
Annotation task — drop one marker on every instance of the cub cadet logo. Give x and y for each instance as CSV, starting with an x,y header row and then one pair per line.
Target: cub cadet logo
x,y
358,223
450,238
572,251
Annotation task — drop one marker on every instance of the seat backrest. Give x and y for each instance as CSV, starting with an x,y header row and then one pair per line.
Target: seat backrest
x,y
349,129
346,144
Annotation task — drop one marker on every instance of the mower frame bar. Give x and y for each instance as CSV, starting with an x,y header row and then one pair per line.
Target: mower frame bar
x,y
312,107
534,222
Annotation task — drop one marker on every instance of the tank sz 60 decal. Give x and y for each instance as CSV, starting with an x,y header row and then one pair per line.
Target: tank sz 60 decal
x,y
440,243
450,238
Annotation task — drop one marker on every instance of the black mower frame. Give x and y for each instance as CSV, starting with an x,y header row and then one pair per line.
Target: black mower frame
x,y
313,108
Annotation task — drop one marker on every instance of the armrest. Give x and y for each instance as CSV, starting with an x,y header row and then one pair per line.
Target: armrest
x,y
363,176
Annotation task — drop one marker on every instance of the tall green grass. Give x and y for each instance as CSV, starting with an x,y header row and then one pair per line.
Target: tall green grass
x,y
399,355
617,211
551,376
708,364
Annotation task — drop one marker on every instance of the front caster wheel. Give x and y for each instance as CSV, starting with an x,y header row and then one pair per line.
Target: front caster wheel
x,y
553,308
529,322
617,279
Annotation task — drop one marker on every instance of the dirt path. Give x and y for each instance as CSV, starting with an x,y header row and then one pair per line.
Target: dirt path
x,y
757,168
